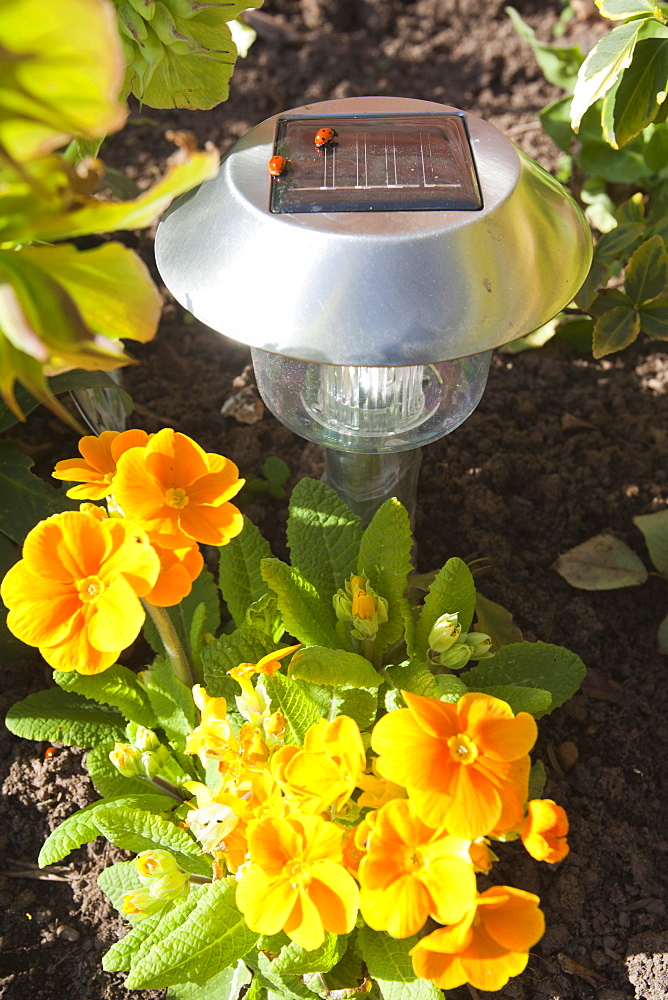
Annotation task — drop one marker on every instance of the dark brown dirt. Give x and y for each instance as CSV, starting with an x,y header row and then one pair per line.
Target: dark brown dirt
x,y
518,483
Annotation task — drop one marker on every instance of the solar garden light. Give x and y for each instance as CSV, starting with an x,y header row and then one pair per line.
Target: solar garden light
x,y
372,252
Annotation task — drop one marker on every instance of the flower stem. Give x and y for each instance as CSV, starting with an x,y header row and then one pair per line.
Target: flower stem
x,y
172,645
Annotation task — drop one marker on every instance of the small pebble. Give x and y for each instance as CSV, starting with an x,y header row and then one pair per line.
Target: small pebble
x,y
67,933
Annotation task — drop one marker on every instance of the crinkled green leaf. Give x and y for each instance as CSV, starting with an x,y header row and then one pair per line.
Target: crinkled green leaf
x,y
278,987
559,63
615,330
25,499
171,701
600,70
646,275
532,665
194,941
391,966
449,687
359,704
636,98
264,616
136,829
533,700
385,557
324,536
204,591
65,717
452,592
305,613
239,573
244,645
294,960
414,676
83,826
654,318
120,956
118,879
333,668
107,779
601,563
117,686
655,529
62,67
293,701
496,622
225,985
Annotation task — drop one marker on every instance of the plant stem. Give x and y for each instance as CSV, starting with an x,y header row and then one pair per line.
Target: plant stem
x,y
172,645
167,787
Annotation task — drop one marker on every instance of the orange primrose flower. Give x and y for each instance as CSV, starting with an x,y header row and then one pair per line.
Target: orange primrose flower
x,y
296,882
178,492
487,946
465,766
545,830
412,872
75,593
98,468
179,568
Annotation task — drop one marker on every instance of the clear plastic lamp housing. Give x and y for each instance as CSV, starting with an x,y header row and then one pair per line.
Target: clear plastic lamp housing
x,y
371,410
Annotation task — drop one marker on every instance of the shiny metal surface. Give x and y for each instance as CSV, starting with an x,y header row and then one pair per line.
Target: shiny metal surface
x,y
385,288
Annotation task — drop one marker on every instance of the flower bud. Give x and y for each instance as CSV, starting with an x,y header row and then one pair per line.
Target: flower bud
x,y
140,903
149,764
444,633
455,657
172,885
152,864
480,644
125,759
144,739
360,604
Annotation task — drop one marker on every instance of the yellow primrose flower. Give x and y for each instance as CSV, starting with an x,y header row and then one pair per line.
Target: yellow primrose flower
x,y
412,872
253,702
359,603
214,737
296,881
326,771
215,817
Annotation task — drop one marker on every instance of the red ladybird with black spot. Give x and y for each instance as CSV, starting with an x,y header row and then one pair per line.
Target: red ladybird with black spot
x,y
324,136
277,165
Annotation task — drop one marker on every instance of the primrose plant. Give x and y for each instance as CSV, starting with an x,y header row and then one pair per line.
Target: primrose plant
x,y
312,794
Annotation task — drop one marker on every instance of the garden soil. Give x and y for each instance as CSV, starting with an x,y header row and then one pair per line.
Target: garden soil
x,y
560,448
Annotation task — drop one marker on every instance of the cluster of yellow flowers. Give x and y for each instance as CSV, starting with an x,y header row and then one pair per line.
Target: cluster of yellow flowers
x,y
313,835
75,593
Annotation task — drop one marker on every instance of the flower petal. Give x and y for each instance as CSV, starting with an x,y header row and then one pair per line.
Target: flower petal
x,y
408,755
451,885
335,895
116,619
498,733
512,917
266,906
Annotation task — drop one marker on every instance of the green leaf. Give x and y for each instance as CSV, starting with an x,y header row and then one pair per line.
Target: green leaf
x,y
120,956
600,70
414,676
496,622
646,274
533,700
559,63
136,829
293,701
598,276
76,65
385,557
555,119
601,563
619,10
532,665
537,780
615,330
333,668
239,572
654,318
244,645
636,98
65,717
107,779
449,687
117,686
323,536
305,614
296,961
118,879
655,529
226,985
194,941
613,245
361,705
204,591
83,826
25,499
171,701
264,616
391,966
452,592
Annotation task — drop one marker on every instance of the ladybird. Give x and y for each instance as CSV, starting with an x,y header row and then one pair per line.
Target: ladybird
x,y
277,165
49,753
324,136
